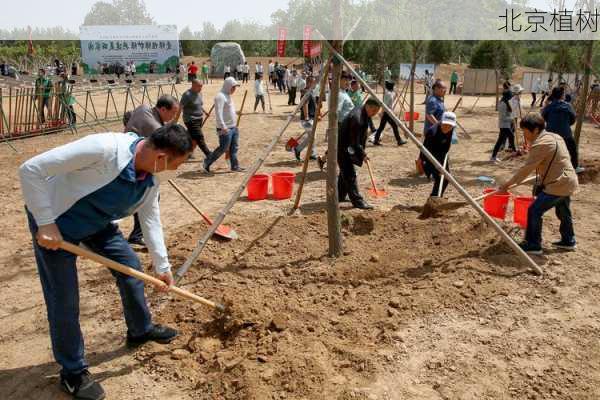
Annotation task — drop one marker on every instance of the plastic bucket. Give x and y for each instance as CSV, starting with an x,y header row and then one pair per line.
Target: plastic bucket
x,y
522,204
496,204
283,185
258,187
407,116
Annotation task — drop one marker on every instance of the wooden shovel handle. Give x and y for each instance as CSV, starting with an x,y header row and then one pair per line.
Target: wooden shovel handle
x,y
371,175
483,196
190,202
71,248
207,115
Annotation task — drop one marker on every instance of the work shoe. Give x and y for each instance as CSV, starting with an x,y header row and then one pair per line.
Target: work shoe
x,y
529,249
313,158
494,160
206,167
402,142
238,169
297,154
137,241
158,333
579,170
565,245
321,163
82,386
363,205
376,143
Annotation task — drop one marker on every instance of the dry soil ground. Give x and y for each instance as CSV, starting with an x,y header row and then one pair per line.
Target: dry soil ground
x,y
415,309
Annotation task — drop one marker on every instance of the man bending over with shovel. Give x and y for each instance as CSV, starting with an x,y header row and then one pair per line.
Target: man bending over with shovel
x,y
74,193
438,139
352,140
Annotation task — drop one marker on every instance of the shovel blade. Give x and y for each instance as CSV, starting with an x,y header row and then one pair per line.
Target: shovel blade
x,y
377,192
291,144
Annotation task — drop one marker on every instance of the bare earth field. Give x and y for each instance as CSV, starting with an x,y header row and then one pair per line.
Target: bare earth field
x,y
415,309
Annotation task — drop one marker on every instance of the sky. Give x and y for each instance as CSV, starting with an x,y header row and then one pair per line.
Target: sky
x,y
178,12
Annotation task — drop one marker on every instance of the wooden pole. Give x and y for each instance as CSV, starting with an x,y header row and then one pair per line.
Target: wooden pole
x,y
411,120
507,239
333,209
311,140
589,53
235,196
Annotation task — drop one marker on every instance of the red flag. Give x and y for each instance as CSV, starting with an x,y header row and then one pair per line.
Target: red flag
x,y
315,49
30,49
281,36
306,43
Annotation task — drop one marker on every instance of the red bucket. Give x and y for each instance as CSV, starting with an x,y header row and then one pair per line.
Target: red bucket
x,y
522,204
283,185
407,116
496,204
258,187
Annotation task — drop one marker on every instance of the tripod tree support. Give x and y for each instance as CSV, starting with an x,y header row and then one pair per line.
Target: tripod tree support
x,y
509,241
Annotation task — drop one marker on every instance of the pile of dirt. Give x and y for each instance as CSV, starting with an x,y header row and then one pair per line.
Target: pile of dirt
x,y
590,173
306,326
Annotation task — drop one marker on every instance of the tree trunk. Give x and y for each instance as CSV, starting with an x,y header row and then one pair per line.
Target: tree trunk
x,y
411,122
497,84
333,209
589,52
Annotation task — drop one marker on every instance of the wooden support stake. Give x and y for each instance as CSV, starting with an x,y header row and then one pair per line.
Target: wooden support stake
x,y
235,196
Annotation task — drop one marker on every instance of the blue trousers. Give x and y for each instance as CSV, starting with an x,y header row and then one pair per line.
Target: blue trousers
x,y
543,203
228,141
58,275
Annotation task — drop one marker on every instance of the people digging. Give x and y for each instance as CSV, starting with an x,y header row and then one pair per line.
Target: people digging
x,y
352,142
388,99
192,106
73,193
357,98
438,140
227,130
143,121
307,116
556,182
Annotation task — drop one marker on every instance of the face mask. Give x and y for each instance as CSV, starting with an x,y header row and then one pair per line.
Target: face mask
x,y
165,174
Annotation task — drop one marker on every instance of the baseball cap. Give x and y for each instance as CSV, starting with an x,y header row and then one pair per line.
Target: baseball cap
x,y
449,118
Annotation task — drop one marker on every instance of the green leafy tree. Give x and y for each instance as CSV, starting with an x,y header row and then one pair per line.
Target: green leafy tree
x,y
440,51
119,12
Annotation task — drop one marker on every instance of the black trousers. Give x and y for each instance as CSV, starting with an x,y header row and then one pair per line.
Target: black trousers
x,y
347,182
292,96
194,127
572,147
384,120
453,87
505,133
245,77
534,96
136,232
260,99
431,171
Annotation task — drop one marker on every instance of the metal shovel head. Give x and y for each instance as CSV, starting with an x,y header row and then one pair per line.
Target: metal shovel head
x,y
291,144
377,192
226,232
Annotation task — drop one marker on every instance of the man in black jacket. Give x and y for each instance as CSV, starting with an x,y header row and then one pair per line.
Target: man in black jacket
x,y
352,140
559,116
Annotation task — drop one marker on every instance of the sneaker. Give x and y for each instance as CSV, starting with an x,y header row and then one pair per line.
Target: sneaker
x,y
579,170
529,249
158,333
137,241
377,144
312,158
402,142
565,245
297,154
494,160
238,169
372,137
82,386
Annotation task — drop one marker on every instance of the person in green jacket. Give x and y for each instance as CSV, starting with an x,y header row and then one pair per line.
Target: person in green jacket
x,y
43,89
453,82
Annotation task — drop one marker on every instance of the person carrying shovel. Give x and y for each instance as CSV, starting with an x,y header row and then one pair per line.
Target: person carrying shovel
x,y
73,193
438,140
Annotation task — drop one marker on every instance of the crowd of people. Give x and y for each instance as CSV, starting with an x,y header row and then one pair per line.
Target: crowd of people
x,y
76,191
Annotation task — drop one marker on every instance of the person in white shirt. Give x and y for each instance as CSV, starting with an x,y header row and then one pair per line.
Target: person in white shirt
x,y
292,83
127,70
226,71
245,72
272,73
536,87
388,99
227,131
133,69
259,92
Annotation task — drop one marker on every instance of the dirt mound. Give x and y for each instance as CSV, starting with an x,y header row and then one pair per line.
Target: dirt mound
x,y
590,174
307,326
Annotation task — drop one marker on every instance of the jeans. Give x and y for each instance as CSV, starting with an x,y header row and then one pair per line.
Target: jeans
x,y
228,141
505,133
543,203
261,99
58,276
304,143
